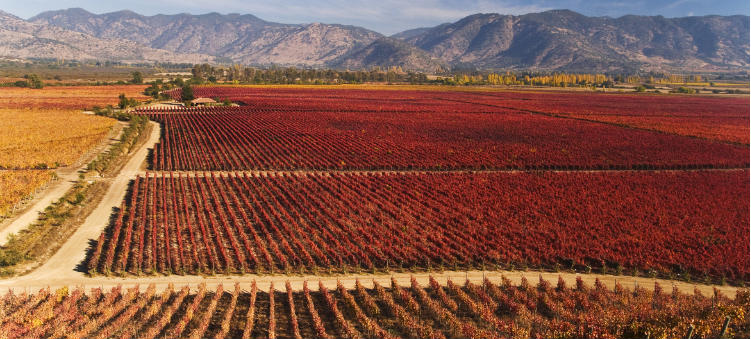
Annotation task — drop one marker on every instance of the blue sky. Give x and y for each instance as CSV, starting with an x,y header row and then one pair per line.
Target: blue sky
x,y
385,16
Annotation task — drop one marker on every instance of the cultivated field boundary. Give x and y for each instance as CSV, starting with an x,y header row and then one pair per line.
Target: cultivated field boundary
x,y
324,173
60,277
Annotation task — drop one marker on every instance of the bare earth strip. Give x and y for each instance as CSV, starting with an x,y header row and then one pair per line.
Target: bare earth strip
x,y
61,276
66,178
61,269
72,253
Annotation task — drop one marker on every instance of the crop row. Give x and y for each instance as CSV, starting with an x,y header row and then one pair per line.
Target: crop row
x,y
485,310
240,138
684,223
723,119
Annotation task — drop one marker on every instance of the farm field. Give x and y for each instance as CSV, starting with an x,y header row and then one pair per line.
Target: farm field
x,y
668,222
66,97
721,119
242,138
327,180
34,138
332,185
45,129
18,185
468,310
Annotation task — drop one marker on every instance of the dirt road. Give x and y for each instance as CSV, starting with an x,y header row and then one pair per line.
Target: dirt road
x,y
59,276
66,178
64,262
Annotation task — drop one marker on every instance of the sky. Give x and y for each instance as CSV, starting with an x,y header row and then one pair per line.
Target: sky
x,y
384,16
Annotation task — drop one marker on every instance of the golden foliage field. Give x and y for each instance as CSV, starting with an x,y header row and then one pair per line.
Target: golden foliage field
x,y
29,138
17,185
46,128
67,97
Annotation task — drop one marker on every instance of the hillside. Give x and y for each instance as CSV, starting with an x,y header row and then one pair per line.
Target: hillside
x,y
19,38
552,40
241,38
390,52
567,40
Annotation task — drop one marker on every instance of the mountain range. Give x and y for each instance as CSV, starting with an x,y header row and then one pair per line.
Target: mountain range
x,y
552,40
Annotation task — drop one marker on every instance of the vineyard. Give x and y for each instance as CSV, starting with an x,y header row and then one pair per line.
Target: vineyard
x,y
44,129
18,185
485,310
34,138
686,224
722,119
66,97
326,183
243,138
338,181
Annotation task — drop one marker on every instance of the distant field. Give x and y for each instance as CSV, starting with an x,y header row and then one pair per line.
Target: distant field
x,y
66,97
17,185
302,128
710,117
52,138
714,118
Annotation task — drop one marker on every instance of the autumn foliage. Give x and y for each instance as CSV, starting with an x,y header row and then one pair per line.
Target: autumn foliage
x,y
673,222
485,310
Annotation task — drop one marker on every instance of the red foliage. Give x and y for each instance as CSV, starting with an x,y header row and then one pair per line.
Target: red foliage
x,y
232,138
723,119
680,222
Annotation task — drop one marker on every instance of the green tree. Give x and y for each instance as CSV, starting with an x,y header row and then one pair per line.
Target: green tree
x,y
187,93
123,103
33,81
126,102
137,78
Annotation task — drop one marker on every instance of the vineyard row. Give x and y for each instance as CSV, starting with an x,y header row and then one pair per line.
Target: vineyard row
x,y
677,224
721,119
240,138
483,310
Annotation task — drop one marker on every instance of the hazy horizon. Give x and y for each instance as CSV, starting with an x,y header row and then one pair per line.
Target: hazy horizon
x,y
388,16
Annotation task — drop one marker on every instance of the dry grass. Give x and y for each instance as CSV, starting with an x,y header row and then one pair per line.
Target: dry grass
x,y
18,185
66,97
52,137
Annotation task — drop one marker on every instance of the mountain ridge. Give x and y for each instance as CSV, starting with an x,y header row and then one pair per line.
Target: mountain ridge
x,y
552,40
20,38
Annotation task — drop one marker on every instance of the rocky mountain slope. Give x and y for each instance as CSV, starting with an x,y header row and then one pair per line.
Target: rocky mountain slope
x,y
241,38
564,39
390,52
23,39
552,40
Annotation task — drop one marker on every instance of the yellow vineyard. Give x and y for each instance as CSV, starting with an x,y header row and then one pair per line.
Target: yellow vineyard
x,y
47,138
17,185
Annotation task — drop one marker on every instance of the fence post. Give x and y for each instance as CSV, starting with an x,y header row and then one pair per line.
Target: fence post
x,y
690,332
725,327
